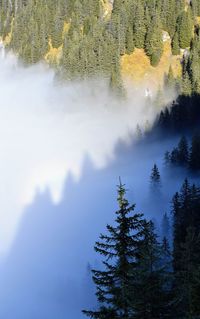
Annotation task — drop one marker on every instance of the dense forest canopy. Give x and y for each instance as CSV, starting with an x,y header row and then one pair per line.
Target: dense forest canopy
x,y
88,37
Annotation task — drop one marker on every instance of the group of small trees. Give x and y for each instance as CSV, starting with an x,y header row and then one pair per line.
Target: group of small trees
x,y
183,155
142,277
183,114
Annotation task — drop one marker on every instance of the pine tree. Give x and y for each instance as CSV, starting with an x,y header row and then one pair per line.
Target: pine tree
x,y
175,44
119,27
183,153
130,40
139,26
153,42
186,85
168,15
119,248
57,29
185,29
180,154
116,83
164,121
152,291
155,181
174,157
155,175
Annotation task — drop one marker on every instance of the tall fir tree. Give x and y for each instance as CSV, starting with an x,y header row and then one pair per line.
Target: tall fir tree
x,y
183,152
186,85
155,179
139,26
175,44
119,248
153,41
185,25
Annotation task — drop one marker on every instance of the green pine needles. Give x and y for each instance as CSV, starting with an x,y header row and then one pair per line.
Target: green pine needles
x,y
130,283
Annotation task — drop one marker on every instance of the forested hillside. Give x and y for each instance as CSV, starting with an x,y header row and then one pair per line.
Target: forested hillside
x,y
85,38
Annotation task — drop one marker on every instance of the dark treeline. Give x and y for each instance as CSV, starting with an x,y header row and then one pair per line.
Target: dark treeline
x,y
182,116
92,41
184,154
144,276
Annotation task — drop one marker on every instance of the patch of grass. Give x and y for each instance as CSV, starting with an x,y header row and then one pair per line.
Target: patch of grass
x,y
54,54
136,67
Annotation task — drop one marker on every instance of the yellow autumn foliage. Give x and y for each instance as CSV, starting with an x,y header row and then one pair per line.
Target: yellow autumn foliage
x,y
136,67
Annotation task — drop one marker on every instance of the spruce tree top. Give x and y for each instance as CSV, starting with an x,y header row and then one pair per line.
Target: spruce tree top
x,y
155,175
119,248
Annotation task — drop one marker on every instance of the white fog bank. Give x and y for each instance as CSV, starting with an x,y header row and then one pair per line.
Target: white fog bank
x,y
46,130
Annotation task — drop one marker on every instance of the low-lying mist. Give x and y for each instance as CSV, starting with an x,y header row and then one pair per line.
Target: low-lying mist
x,y
46,130
63,149
45,273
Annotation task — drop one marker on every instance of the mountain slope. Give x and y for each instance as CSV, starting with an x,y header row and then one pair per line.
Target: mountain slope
x,y
102,38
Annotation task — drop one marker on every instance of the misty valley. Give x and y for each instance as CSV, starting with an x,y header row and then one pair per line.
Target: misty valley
x,y
100,159
47,255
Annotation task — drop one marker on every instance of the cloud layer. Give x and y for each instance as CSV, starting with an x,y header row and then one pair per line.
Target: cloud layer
x,y
47,129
